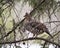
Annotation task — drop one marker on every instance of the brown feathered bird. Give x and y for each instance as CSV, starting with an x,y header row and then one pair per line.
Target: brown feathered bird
x,y
35,27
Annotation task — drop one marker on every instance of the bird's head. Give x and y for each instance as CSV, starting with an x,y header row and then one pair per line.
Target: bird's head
x,y
27,17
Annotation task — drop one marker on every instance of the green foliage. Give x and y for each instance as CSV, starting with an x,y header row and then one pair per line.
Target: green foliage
x,y
44,7
5,19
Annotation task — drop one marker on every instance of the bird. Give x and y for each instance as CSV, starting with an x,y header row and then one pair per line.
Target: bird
x,y
34,26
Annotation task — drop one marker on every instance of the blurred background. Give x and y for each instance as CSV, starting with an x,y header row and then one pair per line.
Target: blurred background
x,y
12,21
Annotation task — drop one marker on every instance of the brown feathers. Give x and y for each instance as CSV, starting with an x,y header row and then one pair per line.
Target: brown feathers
x,y
35,27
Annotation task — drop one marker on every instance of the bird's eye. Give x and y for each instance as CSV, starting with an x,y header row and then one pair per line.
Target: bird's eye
x,y
32,25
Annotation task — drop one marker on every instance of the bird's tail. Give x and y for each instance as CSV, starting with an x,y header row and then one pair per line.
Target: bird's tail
x,y
47,31
49,34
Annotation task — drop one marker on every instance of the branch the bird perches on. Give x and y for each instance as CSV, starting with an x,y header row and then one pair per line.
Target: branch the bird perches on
x,y
35,38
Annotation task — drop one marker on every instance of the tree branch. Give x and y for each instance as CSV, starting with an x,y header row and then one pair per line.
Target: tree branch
x,y
36,38
52,22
